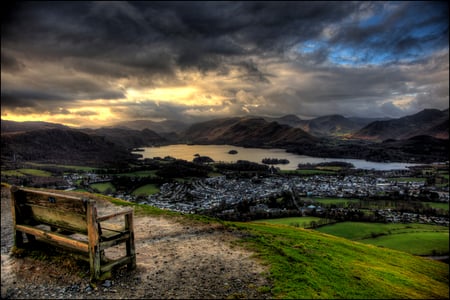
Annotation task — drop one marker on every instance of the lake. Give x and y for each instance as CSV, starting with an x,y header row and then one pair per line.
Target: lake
x,y
219,153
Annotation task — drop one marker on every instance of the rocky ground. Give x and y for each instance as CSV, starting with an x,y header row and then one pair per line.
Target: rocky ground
x,y
174,260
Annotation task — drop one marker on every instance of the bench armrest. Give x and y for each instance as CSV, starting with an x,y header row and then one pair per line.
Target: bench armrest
x,y
115,214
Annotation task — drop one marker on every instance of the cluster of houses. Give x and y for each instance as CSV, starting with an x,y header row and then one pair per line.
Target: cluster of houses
x,y
210,193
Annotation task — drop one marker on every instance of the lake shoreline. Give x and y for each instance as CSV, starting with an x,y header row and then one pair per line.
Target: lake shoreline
x,y
220,153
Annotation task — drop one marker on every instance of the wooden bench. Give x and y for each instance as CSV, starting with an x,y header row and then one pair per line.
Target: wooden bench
x,y
82,225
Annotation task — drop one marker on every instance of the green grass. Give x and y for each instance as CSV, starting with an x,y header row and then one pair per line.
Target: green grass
x,y
440,205
24,172
308,264
330,201
71,167
139,173
418,239
103,187
302,222
13,173
148,189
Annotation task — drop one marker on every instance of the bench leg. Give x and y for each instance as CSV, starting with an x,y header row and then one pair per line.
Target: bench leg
x,y
94,262
131,251
94,245
18,239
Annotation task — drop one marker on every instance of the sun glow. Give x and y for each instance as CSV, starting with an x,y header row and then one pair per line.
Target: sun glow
x,y
75,117
191,96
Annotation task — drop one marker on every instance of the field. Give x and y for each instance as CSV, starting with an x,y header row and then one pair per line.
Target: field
x,y
139,174
105,187
148,189
302,222
440,205
24,172
69,167
417,239
336,201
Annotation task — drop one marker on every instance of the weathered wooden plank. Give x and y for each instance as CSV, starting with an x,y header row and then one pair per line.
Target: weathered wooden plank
x,y
52,200
54,237
59,218
118,262
18,236
113,215
107,244
130,247
94,247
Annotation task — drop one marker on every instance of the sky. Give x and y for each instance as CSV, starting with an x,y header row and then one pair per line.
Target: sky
x,y
97,63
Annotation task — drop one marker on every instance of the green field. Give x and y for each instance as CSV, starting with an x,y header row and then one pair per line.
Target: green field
x,y
24,172
139,173
103,187
71,167
302,222
418,239
330,201
148,189
440,205
417,243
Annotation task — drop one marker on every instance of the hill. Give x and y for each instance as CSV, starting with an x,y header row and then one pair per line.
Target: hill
x,y
56,143
247,132
431,122
181,252
128,138
63,146
325,126
12,126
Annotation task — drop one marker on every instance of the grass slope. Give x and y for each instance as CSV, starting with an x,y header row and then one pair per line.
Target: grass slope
x,y
309,264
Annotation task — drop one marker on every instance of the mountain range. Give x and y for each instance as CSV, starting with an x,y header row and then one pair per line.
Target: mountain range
x,y
327,136
430,122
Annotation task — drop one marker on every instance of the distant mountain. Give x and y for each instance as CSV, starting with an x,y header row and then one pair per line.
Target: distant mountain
x,y
61,146
128,138
366,121
41,141
12,126
248,132
167,126
431,122
330,125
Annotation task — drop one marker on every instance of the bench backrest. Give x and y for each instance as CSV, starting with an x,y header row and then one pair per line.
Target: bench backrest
x,y
32,207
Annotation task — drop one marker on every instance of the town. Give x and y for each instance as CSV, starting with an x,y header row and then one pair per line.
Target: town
x,y
257,191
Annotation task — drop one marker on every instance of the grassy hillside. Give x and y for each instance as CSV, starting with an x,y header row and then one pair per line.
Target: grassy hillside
x,y
309,264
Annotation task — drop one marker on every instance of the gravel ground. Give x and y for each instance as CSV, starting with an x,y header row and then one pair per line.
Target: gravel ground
x,y
174,260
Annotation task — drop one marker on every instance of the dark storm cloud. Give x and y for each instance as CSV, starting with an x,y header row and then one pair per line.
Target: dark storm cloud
x,y
10,63
261,57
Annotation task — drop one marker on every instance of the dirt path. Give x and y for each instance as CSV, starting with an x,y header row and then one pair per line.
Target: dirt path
x,y
174,260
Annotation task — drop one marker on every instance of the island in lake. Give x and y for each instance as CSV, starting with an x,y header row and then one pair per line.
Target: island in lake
x,y
232,152
275,161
